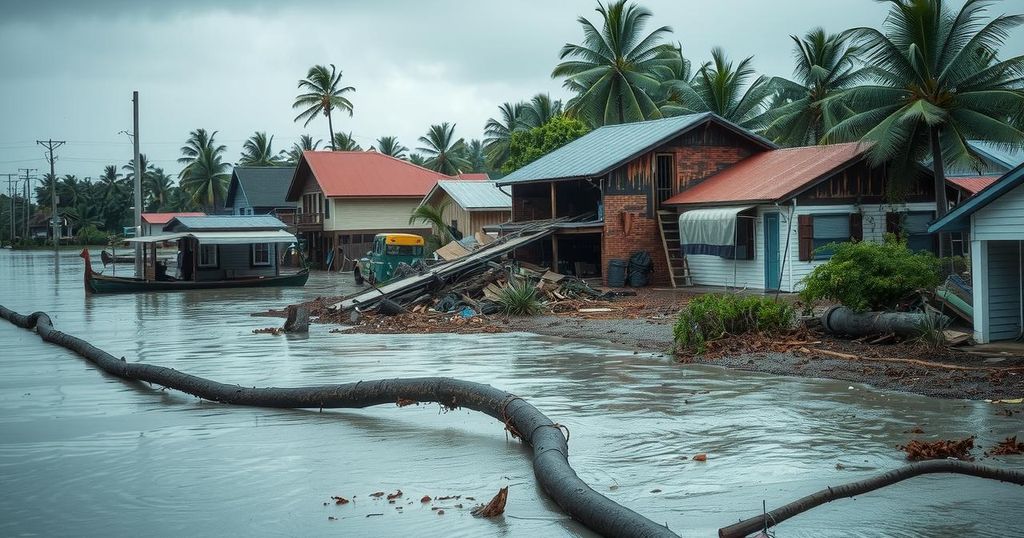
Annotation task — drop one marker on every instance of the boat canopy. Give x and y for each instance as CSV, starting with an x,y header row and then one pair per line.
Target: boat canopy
x,y
223,238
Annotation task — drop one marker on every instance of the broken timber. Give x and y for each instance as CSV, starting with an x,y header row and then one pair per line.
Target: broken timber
x,y
447,272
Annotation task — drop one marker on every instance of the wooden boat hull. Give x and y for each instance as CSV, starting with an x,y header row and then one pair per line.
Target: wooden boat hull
x,y
111,284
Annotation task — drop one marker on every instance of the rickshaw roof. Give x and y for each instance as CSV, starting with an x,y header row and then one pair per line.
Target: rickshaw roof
x,y
402,239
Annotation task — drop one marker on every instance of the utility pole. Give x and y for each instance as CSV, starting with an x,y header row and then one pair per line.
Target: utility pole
x,y
26,199
51,145
12,187
138,184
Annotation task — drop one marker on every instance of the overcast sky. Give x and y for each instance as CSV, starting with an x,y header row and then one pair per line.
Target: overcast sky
x,y
69,67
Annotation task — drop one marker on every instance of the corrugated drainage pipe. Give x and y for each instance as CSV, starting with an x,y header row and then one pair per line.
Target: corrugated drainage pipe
x,y
843,320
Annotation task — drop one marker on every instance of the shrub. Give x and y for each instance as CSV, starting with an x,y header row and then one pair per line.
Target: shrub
x,y
89,235
519,299
712,316
867,275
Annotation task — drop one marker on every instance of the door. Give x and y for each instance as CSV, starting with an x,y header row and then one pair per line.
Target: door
x,y
663,178
772,278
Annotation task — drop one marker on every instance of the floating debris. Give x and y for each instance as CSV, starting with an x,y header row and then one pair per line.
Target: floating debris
x,y
938,450
494,508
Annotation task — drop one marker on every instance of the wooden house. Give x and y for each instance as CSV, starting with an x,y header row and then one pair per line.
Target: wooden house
x,y
153,223
995,220
260,190
226,247
470,205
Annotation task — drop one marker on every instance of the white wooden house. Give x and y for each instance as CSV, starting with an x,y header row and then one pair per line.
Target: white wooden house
x,y
995,219
762,222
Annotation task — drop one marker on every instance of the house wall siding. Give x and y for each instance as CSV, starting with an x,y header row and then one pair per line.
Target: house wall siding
x,y
236,261
1003,293
1002,219
383,214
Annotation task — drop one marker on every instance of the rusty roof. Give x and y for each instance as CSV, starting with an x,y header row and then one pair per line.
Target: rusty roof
x,y
972,185
772,175
362,174
164,218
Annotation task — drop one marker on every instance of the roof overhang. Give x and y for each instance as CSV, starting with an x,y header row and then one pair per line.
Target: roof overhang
x,y
959,219
222,238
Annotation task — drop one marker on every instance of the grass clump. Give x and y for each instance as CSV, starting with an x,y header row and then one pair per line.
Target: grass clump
x,y
520,299
871,276
712,316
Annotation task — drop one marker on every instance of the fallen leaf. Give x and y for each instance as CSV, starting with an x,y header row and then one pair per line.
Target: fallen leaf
x,y
494,508
425,499
701,457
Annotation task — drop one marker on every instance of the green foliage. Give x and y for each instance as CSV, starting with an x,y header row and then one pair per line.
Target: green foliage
x,y
866,275
434,216
520,299
528,146
89,235
712,316
931,330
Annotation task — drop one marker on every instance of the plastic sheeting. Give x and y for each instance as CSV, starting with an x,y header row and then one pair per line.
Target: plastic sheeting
x,y
709,231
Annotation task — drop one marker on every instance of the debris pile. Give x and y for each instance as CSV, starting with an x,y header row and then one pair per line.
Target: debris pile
x,y
1007,447
938,450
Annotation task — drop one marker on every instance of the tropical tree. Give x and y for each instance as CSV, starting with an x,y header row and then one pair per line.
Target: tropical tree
x,y
721,87
44,192
157,189
258,150
528,146
442,150
616,69
305,143
205,174
129,169
540,110
388,145
345,142
114,193
323,93
69,188
826,64
418,160
434,216
939,83
475,156
498,132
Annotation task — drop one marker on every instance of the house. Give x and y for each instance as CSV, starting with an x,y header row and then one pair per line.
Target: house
x,y
260,190
995,220
469,205
345,198
40,226
609,185
153,223
763,222
225,247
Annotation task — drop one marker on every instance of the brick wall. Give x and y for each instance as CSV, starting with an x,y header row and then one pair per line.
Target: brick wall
x,y
643,235
694,164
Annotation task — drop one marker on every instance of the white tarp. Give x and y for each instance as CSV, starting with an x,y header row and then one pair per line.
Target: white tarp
x,y
709,227
223,238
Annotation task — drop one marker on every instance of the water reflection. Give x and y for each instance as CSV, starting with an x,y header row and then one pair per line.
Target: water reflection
x,y
86,454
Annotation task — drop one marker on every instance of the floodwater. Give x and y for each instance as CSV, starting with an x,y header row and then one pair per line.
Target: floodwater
x,y
85,454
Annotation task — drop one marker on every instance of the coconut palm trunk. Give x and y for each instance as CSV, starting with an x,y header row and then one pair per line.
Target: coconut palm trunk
x,y
939,171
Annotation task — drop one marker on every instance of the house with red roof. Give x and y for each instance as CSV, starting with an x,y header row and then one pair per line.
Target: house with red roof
x,y
711,203
345,198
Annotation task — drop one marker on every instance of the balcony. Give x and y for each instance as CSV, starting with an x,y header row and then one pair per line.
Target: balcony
x,y
303,222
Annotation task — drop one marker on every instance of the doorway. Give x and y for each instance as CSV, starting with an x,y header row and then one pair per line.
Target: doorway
x,y
664,174
772,276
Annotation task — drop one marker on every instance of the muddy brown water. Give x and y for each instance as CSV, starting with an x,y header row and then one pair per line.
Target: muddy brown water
x,y
85,454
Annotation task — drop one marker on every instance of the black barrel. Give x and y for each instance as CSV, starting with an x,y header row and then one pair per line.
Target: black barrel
x,y
617,273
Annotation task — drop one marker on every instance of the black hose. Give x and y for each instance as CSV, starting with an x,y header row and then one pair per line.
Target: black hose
x,y
550,448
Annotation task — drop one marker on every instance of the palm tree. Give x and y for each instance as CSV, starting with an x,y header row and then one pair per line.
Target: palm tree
x,y
305,143
44,192
540,110
258,150
475,156
939,84
418,160
345,142
68,190
114,193
434,216
205,175
721,88
157,188
388,145
323,95
442,150
826,64
616,69
129,169
498,132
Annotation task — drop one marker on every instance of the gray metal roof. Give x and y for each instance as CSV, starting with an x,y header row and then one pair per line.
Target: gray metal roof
x,y
261,186
605,148
475,195
224,223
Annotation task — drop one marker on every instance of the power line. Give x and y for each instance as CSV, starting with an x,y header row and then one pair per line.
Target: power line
x,y
51,145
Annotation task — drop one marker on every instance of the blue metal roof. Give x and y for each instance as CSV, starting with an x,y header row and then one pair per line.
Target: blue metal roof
x,y
475,195
959,219
224,223
605,148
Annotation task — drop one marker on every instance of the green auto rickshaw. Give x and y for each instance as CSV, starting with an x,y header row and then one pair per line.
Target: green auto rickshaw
x,y
389,250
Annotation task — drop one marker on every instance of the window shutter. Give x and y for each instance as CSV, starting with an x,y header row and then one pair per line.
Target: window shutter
x,y
892,223
856,227
805,232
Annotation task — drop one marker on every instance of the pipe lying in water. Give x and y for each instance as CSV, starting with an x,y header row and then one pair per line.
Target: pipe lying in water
x,y
843,320
550,448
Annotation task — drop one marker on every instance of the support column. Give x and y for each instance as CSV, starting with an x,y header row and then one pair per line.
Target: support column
x,y
979,283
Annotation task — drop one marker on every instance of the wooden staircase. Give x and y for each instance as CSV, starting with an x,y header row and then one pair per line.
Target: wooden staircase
x,y
678,269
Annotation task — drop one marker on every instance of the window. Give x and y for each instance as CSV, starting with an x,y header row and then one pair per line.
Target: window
x,y
744,237
913,228
327,208
207,255
261,254
829,229
404,250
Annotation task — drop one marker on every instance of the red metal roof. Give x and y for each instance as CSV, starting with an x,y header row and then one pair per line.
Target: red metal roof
x,y
364,173
772,175
164,218
972,184
474,176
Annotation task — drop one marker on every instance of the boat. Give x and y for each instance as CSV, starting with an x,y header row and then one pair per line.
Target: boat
x,y
215,252
108,258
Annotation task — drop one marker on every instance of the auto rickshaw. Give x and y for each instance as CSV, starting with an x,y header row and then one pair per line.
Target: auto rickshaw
x,y
389,250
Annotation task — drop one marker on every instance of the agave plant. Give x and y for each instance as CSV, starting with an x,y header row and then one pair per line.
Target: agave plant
x,y
520,299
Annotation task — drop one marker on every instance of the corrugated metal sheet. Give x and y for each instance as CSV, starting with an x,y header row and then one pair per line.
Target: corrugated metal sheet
x,y
365,173
602,149
476,195
770,176
224,223
973,185
262,186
